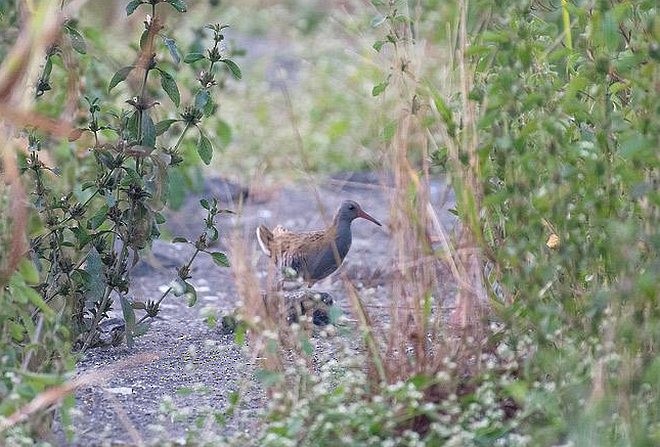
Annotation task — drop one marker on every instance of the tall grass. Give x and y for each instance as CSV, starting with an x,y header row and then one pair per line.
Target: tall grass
x,y
420,340
553,204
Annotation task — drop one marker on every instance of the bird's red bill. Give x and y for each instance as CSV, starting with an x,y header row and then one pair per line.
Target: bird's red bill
x,y
364,215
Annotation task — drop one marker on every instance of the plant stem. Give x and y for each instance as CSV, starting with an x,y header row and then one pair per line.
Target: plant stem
x,y
169,289
108,288
566,20
183,133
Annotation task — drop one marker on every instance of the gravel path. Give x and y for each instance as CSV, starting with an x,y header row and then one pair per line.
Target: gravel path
x,y
183,370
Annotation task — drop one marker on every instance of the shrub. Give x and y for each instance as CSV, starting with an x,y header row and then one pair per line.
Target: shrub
x,y
547,124
96,199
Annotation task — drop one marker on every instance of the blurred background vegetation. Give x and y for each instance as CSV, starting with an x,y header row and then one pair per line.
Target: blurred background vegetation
x,y
544,115
289,51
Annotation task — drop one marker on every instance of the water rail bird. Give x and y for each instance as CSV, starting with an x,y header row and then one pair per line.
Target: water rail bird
x,y
313,255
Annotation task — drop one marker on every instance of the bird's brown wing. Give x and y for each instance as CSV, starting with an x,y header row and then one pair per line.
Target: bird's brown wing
x,y
293,249
295,242
309,253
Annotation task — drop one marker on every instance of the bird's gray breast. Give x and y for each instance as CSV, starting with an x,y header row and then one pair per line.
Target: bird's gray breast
x,y
330,257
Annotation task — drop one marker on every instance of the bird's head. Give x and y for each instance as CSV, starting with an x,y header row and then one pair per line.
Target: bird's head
x,y
350,210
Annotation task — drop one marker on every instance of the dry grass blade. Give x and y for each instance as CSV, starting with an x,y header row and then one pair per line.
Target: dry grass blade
x,y
472,300
56,394
414,340
16,218
255,309
41,28
124,419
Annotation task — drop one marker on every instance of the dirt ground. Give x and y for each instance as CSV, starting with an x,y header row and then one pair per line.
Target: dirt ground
x,y
195,368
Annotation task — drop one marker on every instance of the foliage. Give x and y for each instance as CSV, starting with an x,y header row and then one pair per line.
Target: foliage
x,y
567,170
101,205
552,150
92,233
308,108
569,138
336,406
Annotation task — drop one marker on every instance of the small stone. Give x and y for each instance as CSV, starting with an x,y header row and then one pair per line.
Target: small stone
x,y
123,390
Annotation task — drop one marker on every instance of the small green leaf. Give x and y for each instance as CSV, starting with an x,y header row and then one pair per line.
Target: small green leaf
x,y
389,130
210,107
95,221
191,294
178,287
220,258
162,126
205,204
212,234
440,156
93,278
205,149
239,329
179,239
378,21
378,45
169,85
234,397
610,31
235,70
201,98
82,236
379,88
420,381
28,271
210,318
443,109
38,301
172,48
193,57
77,40
88,184
120,76
132,6
177,188
179,5
132,126
143,39
148,130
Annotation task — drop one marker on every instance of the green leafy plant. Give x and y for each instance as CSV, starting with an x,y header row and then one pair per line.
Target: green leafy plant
x,y
90,238
563,206
85,235
546,121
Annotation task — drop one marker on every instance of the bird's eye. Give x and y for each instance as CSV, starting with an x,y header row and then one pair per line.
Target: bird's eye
x,y
351,207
